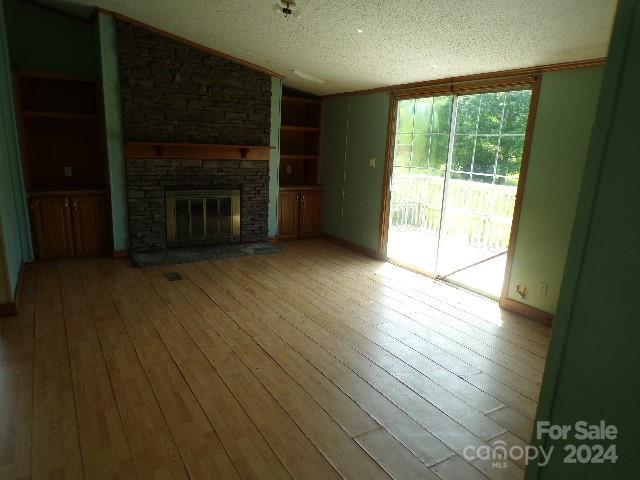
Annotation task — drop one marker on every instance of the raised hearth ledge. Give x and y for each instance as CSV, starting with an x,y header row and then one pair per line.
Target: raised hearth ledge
x,y
198,151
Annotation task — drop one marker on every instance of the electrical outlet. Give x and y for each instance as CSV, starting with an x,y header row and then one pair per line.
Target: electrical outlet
x,y
68,172
522,291
289,170
372,162
543,289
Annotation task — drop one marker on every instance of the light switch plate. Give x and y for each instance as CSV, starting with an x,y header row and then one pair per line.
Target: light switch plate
x,y
68,172
543,289
372,162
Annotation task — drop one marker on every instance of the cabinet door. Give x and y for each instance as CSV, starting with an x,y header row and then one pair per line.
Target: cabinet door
x,y
288,214
90,232
52,225
310,209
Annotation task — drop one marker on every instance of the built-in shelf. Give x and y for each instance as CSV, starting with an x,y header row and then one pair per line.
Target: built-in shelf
x,y
294,128
300,196
59,115
61,131
300,135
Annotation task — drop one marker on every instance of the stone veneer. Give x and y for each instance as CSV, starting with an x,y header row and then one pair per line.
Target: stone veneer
x,y
175,93
172,92
148,179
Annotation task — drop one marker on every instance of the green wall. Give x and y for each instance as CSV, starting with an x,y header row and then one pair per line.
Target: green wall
x,y
274,157
15,243
108,57
334,143
592,367
357,125
44,41
355,129
565,116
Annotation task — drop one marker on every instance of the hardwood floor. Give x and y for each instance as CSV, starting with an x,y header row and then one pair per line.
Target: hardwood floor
x,y
315,363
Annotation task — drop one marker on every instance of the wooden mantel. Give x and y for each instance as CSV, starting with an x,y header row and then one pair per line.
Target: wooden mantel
x,y
198,151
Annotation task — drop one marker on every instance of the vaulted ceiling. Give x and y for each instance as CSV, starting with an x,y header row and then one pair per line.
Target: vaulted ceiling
x,y
360,44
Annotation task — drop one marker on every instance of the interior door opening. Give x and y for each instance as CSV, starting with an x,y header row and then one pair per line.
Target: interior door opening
x,y
456,167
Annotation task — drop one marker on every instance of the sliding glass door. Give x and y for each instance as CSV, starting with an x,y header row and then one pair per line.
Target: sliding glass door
x,y
456,167
418,180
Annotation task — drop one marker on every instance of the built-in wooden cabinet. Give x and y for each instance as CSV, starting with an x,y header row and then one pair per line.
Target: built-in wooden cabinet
x,y
89,218
70,225
64,164
310,211
299,213
52,227
288,214
300,194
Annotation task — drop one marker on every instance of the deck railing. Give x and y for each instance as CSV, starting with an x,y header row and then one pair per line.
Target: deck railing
x,y
478,213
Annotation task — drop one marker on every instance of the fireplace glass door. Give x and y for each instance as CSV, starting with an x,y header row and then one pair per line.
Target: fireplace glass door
x,y
202,217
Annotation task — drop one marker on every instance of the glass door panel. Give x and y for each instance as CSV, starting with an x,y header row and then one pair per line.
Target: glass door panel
x,y
418,177
456,167
481,188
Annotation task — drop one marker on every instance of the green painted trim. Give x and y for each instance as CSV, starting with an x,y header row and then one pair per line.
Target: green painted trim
x,y
14,227
6,296
274,157
559,360
108,52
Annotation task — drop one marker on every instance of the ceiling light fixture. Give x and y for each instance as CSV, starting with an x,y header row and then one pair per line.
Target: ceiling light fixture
x,y
288,8
359,30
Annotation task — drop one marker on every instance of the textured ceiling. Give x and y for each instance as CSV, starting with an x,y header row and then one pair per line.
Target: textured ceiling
x,y
401,41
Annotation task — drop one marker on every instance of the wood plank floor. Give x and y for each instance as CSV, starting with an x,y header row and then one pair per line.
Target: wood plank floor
x,y
314,363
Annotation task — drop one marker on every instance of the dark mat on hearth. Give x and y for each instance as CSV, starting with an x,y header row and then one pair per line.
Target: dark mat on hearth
x,y
197,254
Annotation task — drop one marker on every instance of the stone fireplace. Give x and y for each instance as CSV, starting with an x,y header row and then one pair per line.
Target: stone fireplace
x,y
194,123
152,180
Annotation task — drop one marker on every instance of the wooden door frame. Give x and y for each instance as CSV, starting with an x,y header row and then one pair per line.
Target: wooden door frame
x,y
517,209
471,87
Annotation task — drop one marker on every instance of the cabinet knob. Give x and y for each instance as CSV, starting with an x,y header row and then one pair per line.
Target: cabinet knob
x,y
66,203
75,204
303,197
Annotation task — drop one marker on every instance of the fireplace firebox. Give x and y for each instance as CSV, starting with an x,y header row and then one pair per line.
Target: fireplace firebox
x,y
202,217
